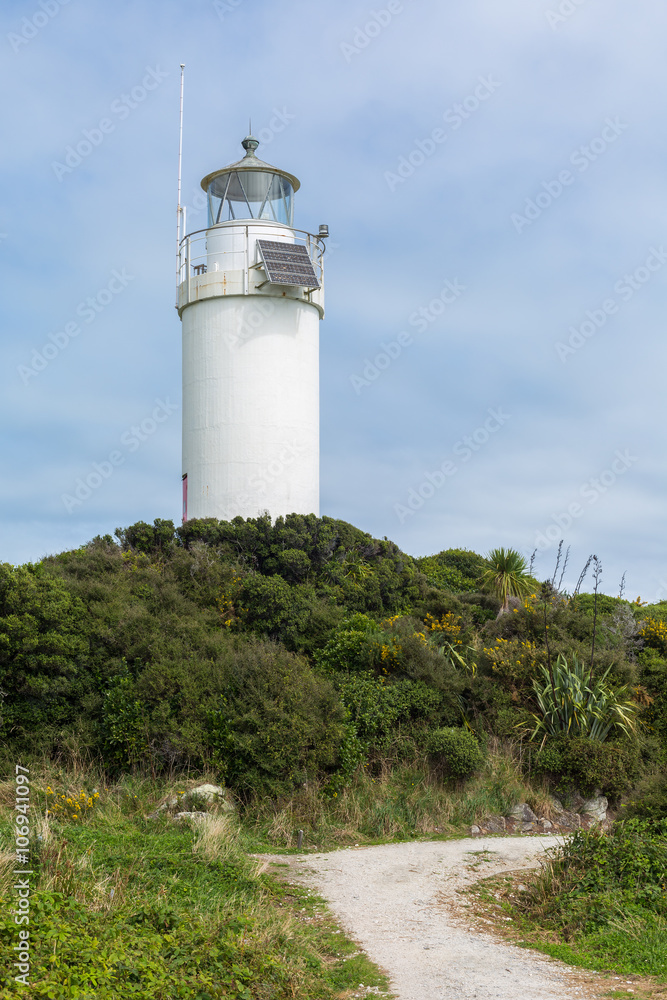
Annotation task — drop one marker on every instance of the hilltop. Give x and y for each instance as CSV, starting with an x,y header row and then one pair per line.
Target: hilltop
x,y
281,654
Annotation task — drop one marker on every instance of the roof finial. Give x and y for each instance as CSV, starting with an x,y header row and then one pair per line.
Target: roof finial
x,y
250,144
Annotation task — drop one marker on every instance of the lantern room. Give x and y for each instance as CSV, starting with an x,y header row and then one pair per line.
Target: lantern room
x,y
250,189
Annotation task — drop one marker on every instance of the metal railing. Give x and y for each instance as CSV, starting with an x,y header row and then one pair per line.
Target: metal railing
x,y
196,257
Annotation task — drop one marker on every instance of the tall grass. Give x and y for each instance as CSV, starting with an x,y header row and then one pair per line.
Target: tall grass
x,y
394,801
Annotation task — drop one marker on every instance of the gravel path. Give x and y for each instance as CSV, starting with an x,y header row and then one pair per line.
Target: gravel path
x,y
400,902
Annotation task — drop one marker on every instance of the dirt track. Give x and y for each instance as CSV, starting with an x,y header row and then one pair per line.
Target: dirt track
x,y
400,902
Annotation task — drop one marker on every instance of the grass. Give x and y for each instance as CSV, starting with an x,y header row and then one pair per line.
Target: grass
x,y
394,801
128,906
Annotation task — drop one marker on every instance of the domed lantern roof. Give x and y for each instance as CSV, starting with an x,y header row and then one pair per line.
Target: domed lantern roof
x,y
250,189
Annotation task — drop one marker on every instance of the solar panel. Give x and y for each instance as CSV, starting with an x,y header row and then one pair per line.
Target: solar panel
x,y
287,264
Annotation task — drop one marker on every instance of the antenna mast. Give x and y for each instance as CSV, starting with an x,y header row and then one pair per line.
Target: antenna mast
x,y
179,209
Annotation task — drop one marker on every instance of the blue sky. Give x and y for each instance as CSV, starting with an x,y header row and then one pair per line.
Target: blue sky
x,y
493,354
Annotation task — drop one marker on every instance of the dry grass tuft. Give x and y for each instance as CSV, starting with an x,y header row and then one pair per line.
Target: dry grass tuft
x,y
7,865
216,836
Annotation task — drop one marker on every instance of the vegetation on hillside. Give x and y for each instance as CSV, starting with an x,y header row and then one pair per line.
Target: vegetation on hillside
x,y
278,654
335,685
129,906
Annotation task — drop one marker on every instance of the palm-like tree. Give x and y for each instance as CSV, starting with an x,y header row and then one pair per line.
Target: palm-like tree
x,y
507,575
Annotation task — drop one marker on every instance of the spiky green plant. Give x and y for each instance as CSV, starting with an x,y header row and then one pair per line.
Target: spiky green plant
x,y
572,702
507,575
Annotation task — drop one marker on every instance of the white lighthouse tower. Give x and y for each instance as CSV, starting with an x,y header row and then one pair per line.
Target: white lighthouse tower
x,y
250,298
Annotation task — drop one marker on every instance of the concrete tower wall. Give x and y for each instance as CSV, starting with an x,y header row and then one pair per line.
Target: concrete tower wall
x,y
251,405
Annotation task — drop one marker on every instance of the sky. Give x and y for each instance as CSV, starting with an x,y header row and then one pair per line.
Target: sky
x,y
493,354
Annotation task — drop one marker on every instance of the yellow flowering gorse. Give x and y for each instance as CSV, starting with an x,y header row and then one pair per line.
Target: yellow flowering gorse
x,y
449,624
654,634
65,807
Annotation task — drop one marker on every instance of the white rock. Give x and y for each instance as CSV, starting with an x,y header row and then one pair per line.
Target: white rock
x,y
596,808
208,792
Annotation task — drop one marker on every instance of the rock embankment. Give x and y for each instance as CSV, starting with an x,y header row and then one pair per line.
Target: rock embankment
x,y
581,814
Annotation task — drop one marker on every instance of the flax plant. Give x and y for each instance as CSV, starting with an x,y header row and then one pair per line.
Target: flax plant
x,y
572,702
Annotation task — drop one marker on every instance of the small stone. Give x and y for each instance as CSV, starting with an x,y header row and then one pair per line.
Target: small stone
x,y
475,831
546,823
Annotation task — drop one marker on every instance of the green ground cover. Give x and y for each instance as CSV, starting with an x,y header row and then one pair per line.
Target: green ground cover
x,y
125,906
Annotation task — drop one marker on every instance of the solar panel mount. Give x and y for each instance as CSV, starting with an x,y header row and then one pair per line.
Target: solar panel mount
x,y
287,264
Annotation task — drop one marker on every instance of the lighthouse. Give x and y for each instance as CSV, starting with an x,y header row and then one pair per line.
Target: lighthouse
x,y
250,299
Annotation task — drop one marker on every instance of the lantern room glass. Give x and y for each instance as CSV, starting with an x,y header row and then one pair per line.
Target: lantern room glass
x,y
250,194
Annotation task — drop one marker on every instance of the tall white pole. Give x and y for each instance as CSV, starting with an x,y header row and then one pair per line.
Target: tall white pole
x,y
179,210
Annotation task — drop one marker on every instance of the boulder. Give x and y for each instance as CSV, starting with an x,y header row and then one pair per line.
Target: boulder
x,y
595,808
570,820
522,813
494,824
207,795
195,815
208,792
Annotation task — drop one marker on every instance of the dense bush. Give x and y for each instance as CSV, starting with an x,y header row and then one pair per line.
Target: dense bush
x,y
277,724
597,875
649,798
44,674
583,764
458,570
138,647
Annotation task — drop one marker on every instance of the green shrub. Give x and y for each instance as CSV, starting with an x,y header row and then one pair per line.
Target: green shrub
x,y
124,724
43,655
277,724
653,676
649,798
455,569
455,752
353,646
147,538
596,874
376,707
582,764
272,608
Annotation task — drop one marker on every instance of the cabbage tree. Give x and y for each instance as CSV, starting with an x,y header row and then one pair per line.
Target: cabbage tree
x,y
507,576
